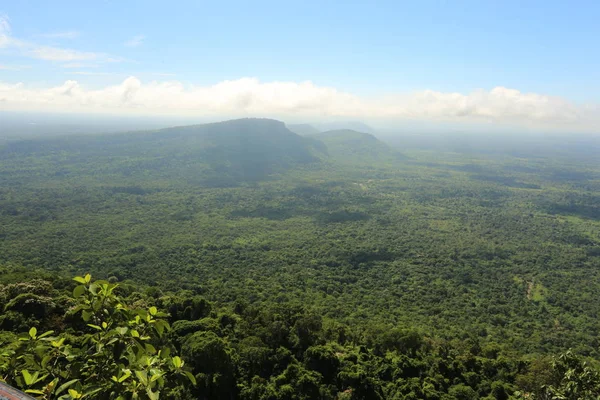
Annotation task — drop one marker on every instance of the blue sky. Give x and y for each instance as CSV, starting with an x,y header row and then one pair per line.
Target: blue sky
x,y
367,49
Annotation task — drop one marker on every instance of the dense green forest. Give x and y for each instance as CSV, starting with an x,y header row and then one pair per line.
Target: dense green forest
x,y
325,266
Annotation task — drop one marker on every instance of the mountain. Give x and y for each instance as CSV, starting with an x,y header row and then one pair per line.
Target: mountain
x,y
345,125
303,129
350,146
216,154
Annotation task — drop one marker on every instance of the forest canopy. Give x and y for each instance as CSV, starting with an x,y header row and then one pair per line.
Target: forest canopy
x,y
255,263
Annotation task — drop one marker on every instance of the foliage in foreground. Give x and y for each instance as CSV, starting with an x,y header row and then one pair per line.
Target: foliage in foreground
x,y
120,354
113,345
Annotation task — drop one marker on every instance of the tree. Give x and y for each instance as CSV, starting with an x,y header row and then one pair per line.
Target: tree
x,y
122,352
575,379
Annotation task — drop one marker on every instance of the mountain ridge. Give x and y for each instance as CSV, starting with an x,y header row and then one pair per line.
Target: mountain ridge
x,y
351,146
232,151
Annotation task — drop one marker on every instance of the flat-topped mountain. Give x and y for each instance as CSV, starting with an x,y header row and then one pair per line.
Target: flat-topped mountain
x,y
215,154
344,125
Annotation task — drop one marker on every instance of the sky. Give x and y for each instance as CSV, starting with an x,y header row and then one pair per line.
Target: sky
x,y
524,64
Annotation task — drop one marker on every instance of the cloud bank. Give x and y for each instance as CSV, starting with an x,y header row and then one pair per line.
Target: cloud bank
x,y
286,100
249,96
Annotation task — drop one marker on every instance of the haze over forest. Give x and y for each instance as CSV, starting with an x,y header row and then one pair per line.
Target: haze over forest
x,y
300,200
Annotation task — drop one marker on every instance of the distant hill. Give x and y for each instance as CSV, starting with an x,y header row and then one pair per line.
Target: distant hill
x,y
247,149
345,125
303,129
217,154
352,147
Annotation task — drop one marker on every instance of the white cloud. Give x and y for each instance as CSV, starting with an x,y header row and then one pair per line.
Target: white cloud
x,y
61,35
250,97
49,53
135,41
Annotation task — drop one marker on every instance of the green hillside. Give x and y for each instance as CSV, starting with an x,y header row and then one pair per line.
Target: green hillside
x,y
219,154
353,147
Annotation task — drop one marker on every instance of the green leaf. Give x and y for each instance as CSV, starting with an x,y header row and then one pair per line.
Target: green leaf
x,y
104,325
125,376
78,291
142,376
135,333
33,332
28,377
65,386
153,395
97,305
160,326
191,377
94,326
155,377
45,334
153,310
177,362
46,360
89,391
79,279
122,330
86,315
34,391
93,288
150,349
36,374
164,353
51,386
88,278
